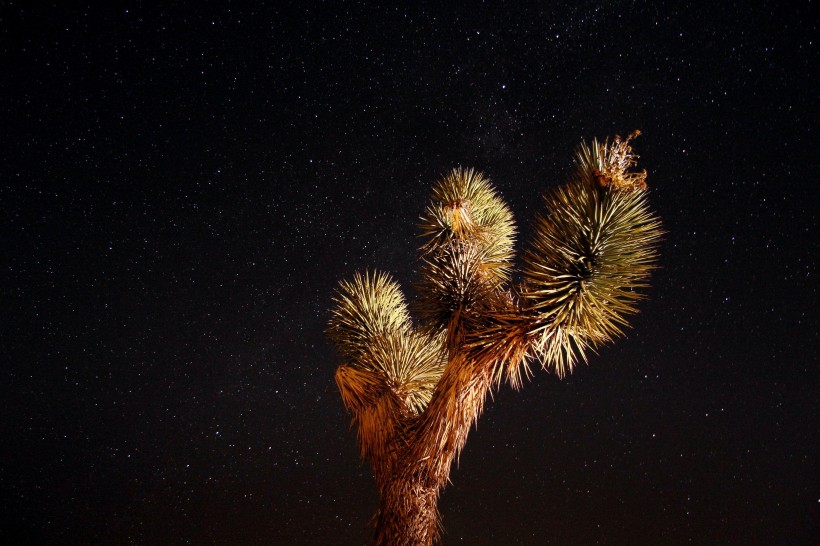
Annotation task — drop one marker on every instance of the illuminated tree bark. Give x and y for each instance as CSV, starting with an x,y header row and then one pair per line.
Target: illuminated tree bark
x,y
414,390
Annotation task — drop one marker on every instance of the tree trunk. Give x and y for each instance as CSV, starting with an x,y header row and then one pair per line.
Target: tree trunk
x,y
408,514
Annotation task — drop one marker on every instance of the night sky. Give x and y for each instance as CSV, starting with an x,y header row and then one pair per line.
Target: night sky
x,y
183,187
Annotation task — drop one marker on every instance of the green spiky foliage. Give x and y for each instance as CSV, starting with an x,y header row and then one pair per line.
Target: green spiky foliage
x,y
391,369
414,390
592,253
466,257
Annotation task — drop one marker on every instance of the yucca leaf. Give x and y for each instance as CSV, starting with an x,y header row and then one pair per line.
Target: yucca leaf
x,y
592,251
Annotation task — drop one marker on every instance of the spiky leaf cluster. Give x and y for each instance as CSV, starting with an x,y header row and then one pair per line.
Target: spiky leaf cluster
x,y
591,254
391,370
368,307
468,234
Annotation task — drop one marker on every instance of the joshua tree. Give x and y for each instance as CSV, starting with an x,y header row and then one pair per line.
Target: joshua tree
x,y
414,389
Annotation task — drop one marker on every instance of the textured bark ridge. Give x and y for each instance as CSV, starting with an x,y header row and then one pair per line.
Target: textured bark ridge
x,y
415,389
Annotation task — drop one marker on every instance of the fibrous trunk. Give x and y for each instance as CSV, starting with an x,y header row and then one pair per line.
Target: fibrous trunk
x,y
408,513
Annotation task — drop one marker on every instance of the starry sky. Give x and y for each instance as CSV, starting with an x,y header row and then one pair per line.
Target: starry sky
x,y
183,186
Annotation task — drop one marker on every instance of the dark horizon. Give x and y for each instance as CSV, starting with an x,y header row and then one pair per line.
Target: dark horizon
x,y
185,186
